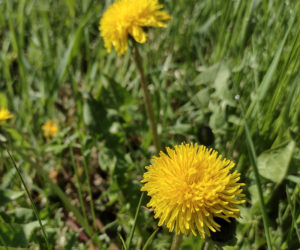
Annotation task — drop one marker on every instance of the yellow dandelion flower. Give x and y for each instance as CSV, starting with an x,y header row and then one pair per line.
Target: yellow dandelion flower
x,y
5,114
50,129
190,186
125,17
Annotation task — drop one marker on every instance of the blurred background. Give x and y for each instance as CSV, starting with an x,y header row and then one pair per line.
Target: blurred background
x,y
224,74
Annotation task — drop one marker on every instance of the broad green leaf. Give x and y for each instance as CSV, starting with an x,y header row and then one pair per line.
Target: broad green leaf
x,y
7,195
255,208
95,115
218,120
7,178
17,235
207,75
17,136
201,99
221,81
180,128
3,100
22,215
107,160
114,96
273,164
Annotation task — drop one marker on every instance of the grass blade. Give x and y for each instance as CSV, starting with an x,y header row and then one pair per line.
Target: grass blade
x,y
79,187
31,200
150,239
294,224
253,159
135,221
123,242
57,190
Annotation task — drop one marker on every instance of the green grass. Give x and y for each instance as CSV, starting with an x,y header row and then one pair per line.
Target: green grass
x,y
219,64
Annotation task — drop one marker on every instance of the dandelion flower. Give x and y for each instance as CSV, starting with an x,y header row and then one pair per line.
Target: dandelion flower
x,y
5,114
127,17
190,186
50,129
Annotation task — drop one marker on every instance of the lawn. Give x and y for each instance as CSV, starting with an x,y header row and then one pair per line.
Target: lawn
x,y
224,74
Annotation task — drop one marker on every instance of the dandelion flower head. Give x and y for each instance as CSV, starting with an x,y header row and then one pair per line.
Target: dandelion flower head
x,y
127,17
5,114
190,186
50,129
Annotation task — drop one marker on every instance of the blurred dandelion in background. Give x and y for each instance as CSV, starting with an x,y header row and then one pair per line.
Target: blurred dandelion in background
x,y
50,129
127,17
190,186
5,115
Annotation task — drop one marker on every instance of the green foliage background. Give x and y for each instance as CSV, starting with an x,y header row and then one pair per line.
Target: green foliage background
x,y
226,67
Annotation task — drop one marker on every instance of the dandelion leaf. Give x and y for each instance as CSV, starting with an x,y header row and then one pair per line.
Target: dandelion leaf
x,y
273,164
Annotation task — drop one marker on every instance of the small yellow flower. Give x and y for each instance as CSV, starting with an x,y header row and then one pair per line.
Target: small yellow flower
x,y
190,186
50,129
125,17
5,114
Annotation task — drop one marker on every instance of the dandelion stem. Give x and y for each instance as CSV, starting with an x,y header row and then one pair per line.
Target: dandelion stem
x,y
147,99
177,239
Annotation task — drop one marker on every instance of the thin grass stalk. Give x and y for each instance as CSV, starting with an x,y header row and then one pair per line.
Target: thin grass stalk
x,y
288,207
31,200
265,85
79,187
253,160
123,242
57,191
147,98
150,239
85,167
294,224
135,221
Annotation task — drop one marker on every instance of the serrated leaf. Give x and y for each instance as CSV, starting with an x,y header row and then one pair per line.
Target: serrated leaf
x,y
207,75
201,99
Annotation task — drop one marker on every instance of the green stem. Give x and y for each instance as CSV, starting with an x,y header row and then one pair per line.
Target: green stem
x,y
85,167
147,99
209,245
177,239
253,159
135,221
31,200
79,187
55,189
